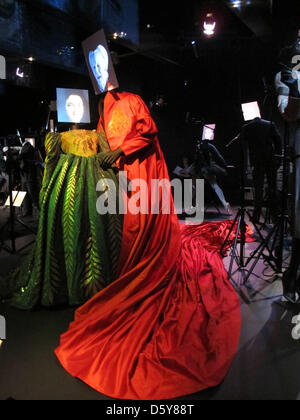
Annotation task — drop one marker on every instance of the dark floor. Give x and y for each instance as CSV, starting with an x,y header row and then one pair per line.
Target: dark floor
x,y
266,366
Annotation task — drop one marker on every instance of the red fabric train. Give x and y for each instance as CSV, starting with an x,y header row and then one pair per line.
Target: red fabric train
x,y
170,324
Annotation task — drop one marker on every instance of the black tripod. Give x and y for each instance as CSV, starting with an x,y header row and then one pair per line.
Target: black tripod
x,y
10,224
239,223
277,234
240,227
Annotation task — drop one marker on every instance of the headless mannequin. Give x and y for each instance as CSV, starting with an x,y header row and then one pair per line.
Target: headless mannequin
x,y
109,158
210,170
101,105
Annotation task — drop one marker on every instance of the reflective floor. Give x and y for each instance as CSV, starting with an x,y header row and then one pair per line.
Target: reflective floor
x,y
266,366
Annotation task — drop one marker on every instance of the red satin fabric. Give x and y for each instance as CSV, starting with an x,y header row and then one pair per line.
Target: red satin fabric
x,y
170,324
128,124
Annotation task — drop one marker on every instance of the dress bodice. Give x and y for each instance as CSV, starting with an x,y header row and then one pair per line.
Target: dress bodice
x,y
82,143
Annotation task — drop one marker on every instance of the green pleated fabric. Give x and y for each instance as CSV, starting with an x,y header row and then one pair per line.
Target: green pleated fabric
x,y
76,250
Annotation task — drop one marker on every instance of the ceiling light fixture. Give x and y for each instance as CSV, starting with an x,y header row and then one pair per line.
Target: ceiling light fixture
x,y
209,25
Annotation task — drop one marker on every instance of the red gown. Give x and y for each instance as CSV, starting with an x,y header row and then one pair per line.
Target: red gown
x,y
169,325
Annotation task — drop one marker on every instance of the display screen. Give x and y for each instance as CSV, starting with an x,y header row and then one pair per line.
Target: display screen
x,y
73,106
99,63
209,132
251,111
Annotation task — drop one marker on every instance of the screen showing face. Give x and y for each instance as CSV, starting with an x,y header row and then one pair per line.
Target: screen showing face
x,y
251,110
73,106
209,132
99,63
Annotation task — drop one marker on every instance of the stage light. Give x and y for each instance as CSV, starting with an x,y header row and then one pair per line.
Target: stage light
x,y
121,35
31,59
1,342
195,49
209,25
236,4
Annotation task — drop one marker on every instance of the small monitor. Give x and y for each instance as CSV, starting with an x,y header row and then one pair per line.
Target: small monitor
x,y
99,63
251,111
32,141
73,106
209,132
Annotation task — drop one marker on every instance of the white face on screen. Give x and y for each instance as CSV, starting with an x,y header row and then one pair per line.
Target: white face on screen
x,y
208,132
75,108
99,64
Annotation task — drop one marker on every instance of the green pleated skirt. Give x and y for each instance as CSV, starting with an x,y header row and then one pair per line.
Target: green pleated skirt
x,y
76,250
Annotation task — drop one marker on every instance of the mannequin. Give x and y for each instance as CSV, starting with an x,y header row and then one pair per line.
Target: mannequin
x,y
262,139
76,251
205,167
288,88
111,157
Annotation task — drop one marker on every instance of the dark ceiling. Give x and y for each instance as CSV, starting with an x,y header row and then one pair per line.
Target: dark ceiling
x,y
209,77
167,28
172,56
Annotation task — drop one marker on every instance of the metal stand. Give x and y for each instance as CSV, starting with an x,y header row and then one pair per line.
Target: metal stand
x,y
240,225
12,217
240,233
276,235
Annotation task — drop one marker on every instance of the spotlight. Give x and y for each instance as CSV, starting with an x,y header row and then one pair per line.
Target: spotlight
x,y
236,4
31,59
209,25
195,49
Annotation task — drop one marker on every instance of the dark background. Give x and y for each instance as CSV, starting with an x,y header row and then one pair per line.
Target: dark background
x,y
209,79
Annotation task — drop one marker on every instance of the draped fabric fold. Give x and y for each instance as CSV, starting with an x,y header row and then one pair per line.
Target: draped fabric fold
x,y
173,336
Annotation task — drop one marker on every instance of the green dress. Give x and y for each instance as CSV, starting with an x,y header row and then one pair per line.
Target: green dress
x,y
76,250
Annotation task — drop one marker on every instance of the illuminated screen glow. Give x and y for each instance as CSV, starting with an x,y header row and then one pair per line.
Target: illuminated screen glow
x,y
73,106
209,132
99,63
251,111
